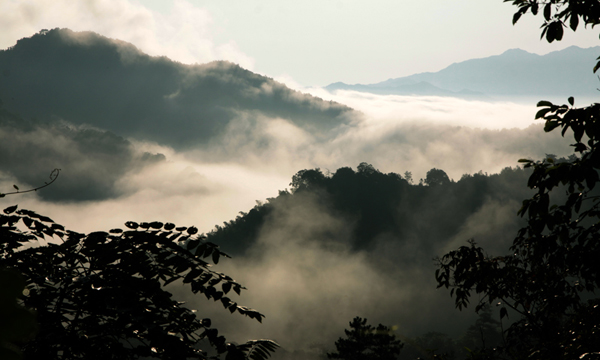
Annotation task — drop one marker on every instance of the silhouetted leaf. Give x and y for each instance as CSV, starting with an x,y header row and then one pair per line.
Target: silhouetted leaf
x,y
226,287
155,225
10,209
169,226
547,11
132,225
544,103
192,244
192,230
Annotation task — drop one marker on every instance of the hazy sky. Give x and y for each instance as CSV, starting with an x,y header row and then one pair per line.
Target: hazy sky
x,y
310,42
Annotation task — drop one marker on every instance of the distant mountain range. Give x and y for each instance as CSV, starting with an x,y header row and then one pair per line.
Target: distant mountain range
x,y
513,74
86,78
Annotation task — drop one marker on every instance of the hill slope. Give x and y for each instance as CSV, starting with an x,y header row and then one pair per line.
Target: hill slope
x,y
86,78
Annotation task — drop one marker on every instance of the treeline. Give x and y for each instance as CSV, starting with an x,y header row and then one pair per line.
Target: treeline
x,y
385,205
484,333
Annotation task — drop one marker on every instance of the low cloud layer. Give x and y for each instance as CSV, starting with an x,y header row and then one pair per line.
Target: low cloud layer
x,y
253,159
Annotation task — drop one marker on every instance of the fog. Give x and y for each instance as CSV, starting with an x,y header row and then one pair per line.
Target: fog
x,y
248,162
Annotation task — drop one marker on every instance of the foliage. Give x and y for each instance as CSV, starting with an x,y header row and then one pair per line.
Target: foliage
x,y
102,295
551,276
379,204
483,335
552,272
559,14
365,342
477,341
436,177
17,324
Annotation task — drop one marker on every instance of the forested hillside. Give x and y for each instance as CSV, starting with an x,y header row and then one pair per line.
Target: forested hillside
x,y
390,228
379,207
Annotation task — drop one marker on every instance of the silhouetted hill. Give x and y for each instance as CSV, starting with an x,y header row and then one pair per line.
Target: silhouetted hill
x,y
512,74
92,160
86,78
380,208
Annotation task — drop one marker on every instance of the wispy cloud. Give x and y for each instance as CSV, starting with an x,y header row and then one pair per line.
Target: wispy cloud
x,y
185,34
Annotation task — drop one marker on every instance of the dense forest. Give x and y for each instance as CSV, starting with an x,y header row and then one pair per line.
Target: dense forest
x,y
387,206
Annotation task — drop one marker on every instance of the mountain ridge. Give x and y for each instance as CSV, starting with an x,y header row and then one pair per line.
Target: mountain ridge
x,y
86,78
514,73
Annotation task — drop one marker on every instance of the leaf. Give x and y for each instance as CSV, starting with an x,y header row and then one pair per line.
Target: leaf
x,y
578,131
574,21
115,231
215,257
156,225
10,209
237,288
551,33
503,313
542,112
571,100
597,66
233,308
226,287
559,31
169,226
580,147
544,103
551,125
192,230
16,187
132,225
57,227
516,17
547,11
192,244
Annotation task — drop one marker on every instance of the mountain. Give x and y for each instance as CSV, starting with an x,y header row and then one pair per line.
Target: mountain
x,y
512,74
86,78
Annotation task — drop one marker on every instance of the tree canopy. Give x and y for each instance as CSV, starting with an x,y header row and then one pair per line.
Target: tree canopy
x,y
365,342
550,278
102,295
559,14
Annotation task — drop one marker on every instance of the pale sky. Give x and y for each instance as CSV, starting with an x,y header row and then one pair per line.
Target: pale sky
x,y
309,42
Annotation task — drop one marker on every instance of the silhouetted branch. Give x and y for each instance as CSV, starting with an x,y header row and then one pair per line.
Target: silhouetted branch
x,y
53,177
